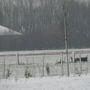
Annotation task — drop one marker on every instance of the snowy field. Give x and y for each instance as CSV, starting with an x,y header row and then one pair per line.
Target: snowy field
x,y
47,83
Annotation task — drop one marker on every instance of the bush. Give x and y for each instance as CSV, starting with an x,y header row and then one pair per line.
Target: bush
x,y
8,73
27,73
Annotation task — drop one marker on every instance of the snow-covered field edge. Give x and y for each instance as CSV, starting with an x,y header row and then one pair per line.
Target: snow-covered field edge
x,y
47,83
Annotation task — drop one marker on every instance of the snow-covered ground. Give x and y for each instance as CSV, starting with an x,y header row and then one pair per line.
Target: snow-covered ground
x,y
7,31
48,83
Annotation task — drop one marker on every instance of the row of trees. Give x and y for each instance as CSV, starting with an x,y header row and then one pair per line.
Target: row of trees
x,y
36,17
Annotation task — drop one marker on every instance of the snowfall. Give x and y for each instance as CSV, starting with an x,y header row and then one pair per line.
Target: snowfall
x,y
47,83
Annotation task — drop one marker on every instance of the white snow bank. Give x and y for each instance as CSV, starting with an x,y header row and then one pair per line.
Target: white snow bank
x,y
7,31
47,83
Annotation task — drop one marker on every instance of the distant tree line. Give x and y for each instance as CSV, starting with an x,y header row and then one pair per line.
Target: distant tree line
x,y
41,22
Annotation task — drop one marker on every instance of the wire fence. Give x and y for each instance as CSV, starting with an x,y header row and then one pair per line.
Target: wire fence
x,y
38,70
40,66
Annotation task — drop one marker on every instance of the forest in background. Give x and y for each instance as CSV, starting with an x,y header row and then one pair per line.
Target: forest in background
x,y
42,24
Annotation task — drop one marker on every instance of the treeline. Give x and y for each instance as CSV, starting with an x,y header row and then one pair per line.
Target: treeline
x,y
41,22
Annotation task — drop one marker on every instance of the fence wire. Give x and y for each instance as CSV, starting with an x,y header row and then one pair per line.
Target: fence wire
x,y
41,66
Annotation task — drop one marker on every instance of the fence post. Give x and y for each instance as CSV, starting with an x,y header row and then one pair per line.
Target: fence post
x,y
87,65
17,56
43,65
4,69
33,65
62,65
74,62
80,65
